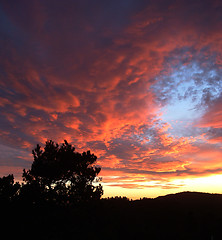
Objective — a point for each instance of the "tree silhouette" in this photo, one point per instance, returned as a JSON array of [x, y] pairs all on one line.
[[60, 174], [8, 189]]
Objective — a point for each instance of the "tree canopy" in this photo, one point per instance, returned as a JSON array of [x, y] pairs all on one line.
[[8, 189], [60, 174]]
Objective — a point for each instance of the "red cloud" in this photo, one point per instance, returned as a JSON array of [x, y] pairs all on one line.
[[213, 116], [85, 76]]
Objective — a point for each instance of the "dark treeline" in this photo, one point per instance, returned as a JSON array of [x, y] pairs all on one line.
[[60, 198], [184, 216]]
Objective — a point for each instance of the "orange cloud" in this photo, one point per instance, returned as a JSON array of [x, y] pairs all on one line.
[[213, 117], [101, 82]]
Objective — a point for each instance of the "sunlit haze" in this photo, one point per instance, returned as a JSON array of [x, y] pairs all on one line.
[[138, 83]]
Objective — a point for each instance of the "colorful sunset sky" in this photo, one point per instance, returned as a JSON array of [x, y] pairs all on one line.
[[137, 82]]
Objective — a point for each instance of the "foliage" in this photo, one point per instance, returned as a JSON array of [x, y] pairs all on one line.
[[60, 174], [8, 189]]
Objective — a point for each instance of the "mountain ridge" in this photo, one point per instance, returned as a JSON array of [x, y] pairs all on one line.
[[189, 194]]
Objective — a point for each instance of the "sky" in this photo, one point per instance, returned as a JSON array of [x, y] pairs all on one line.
[[137, 82]]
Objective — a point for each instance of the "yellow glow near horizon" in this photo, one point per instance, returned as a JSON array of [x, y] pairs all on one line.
[[210, 184]]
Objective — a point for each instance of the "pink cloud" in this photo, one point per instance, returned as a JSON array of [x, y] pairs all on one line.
[[213, 116], [80, 74]]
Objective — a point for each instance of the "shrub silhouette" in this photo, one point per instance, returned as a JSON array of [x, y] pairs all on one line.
[[61, 175]]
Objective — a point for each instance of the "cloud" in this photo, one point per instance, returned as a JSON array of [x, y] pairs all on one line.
[[136, 82], [213, 115]]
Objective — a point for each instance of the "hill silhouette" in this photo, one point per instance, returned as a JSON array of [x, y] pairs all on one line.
[[191, 196], [59, 199], [181, 216]]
